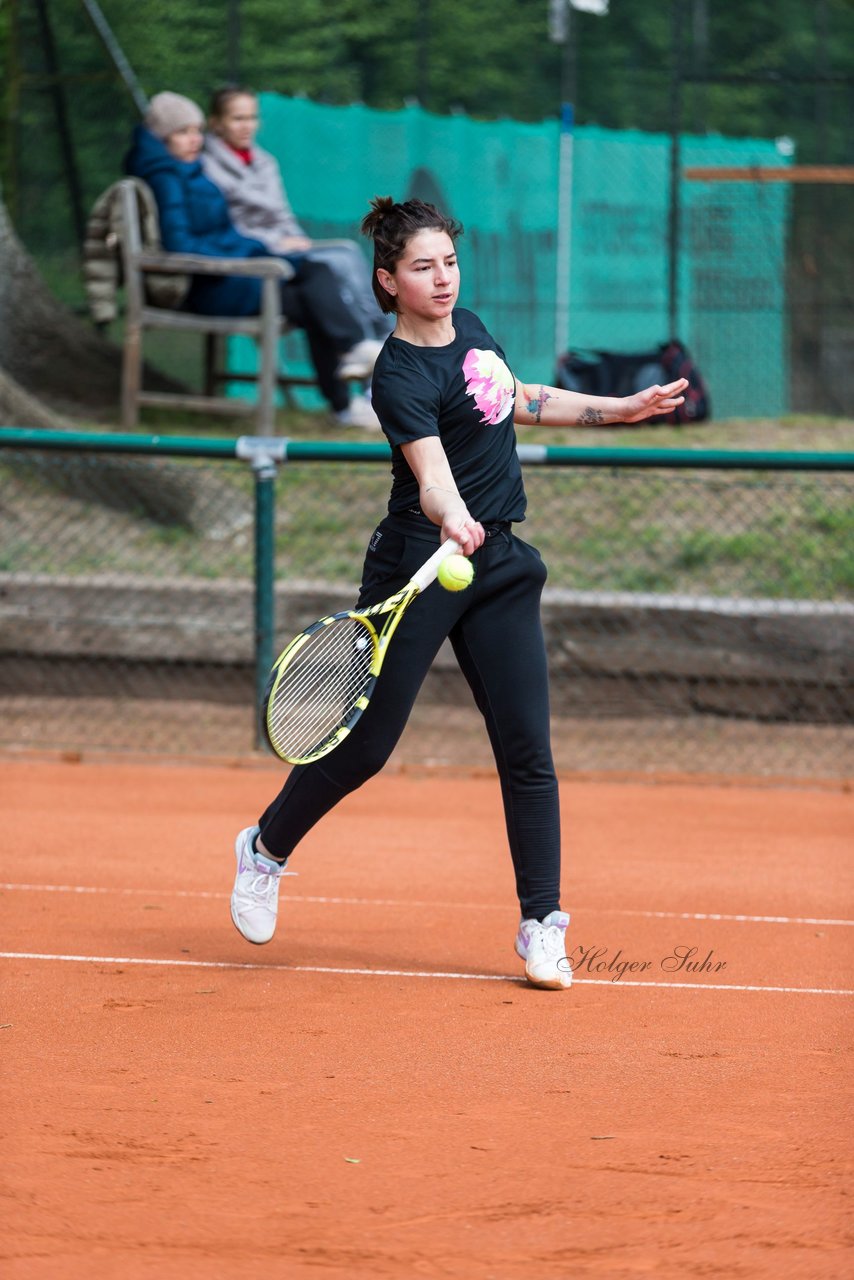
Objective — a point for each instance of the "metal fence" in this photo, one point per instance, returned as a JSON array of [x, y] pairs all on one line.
[[755, 275], [699, 613]]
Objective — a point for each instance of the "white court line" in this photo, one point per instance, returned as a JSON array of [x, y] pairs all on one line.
[[397, 902], [718, 915], [409, 973]]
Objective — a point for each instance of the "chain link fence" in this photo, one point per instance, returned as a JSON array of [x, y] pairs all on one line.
[[699, 620], [756, 277]]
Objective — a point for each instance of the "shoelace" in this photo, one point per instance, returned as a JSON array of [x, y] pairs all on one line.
[[556, 940], [551, 939], [262, 884], [256, 887]]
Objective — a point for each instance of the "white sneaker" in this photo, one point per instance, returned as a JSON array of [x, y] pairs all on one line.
[[543, 948], [255, 897], [359, 413], [360, 360]]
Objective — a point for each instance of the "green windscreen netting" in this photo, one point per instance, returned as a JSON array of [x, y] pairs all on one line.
[[500, 178]]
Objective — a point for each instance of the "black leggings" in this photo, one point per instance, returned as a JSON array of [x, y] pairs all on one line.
[[495, 630], [313, 301]]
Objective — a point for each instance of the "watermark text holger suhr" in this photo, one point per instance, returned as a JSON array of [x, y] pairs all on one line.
[[605, 963]]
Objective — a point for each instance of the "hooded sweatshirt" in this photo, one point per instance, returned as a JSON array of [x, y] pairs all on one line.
[[254, 191]]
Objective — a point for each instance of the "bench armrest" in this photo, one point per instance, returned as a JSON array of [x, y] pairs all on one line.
[[332, 244], [199, 265]]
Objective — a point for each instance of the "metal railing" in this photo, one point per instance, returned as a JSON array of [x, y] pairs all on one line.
[[699, 613]]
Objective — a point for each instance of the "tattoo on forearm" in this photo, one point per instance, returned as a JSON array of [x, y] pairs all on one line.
[[589, 416], [536, 406]]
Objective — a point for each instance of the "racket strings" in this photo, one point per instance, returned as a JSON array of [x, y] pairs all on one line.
[[316, 691]]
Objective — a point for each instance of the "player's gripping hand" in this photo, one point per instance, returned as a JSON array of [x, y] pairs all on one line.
[[652, 400], [463, 529]]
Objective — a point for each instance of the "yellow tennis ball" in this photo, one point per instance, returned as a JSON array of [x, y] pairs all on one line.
[[456, 573]]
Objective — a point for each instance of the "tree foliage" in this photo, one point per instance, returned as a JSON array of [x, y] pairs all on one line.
[[744, 67]]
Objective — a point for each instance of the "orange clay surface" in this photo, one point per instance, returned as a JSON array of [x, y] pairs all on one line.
[[377, 1093]]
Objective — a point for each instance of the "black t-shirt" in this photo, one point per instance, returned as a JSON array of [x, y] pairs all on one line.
[[464, 394]]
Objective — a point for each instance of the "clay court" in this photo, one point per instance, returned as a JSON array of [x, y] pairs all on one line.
[[377, 1092]]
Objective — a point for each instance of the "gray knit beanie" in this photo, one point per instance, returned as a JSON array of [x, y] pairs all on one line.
[[168, 112]]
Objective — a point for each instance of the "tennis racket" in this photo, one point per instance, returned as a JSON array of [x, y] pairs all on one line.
[[323, 680]]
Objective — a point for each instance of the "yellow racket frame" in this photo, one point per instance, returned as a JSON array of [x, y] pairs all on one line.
[[395, 606]]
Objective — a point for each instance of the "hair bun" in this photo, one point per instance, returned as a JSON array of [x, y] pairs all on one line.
[[381, 207]]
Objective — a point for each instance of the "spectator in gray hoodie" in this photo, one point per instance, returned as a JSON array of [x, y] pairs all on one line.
[[251, 181]]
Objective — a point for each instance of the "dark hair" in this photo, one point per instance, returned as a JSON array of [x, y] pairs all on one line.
[[391, 226], [221, 98]]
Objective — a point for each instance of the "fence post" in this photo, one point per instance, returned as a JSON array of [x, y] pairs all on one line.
[[675, 197], [265, 579], [263, 454]]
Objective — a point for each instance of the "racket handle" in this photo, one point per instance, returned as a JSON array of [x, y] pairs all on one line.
[[427, 573]]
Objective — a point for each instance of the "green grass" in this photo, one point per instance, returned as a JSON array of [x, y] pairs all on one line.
[[691, 532]]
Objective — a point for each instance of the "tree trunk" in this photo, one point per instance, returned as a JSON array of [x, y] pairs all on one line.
[[48, 351], [19, 409], [50, 361]]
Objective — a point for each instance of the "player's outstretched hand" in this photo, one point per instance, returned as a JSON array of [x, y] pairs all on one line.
[[653, 400]]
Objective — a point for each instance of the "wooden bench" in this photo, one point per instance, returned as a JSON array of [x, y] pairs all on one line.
[[266, 328]]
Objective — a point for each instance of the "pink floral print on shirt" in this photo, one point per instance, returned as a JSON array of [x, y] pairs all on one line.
[[490, 382]]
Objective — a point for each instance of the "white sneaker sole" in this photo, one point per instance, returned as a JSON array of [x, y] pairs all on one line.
[[562, 982]]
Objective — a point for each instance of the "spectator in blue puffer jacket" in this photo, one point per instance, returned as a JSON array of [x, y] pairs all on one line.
[[194, 218]]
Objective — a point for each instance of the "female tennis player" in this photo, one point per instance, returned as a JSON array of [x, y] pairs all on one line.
[[448, 403]]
